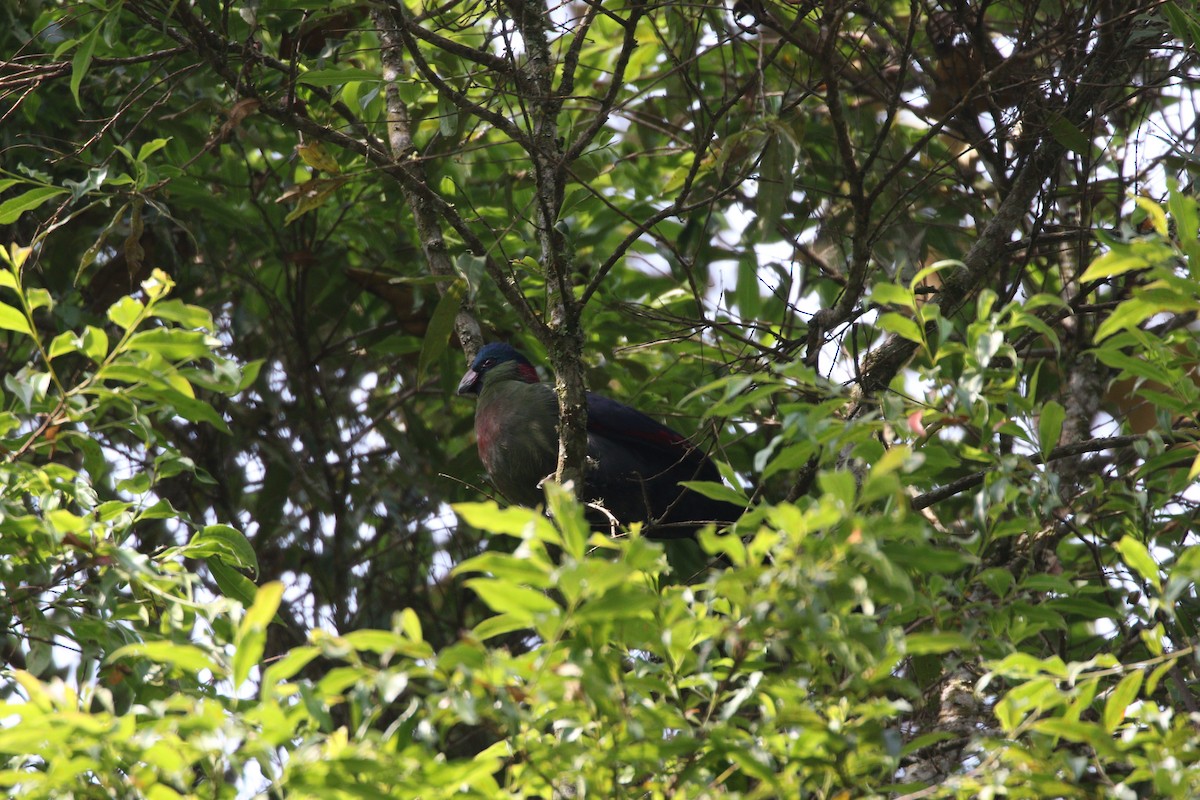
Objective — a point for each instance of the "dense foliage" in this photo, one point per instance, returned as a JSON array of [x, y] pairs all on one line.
[[923, 277]]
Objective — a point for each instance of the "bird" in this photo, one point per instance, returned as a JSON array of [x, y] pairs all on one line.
[[634, 464]]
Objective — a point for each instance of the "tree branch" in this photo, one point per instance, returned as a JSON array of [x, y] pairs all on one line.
[[429, 229], [1066, 451], [1109, 66]]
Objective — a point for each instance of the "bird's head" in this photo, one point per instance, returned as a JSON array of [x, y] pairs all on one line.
[[497, 362]]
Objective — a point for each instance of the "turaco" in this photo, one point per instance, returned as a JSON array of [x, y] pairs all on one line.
[[634, 464]]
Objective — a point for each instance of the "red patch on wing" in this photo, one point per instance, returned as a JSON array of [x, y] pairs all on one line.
[[660, 436], [528, 373]]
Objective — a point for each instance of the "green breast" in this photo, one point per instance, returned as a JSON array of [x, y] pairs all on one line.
[[516, 425]]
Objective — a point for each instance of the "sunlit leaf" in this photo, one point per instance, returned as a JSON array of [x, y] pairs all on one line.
[[1118, 701], [251, 636], [13, 320], [1138, 558], [186, 657]]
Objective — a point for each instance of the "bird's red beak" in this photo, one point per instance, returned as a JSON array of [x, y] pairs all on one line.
[[469, 383]]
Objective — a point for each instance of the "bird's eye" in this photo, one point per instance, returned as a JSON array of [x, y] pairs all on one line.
[[487, 362]]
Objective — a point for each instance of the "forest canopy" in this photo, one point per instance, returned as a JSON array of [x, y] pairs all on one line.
[[921, 279]]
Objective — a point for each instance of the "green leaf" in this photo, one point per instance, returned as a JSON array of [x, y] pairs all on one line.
[[531, 571], [840, 485], [515, 521], [222, 542], [1082, 607], [776, 177], [410, 625], [173, 344], [1071, 730], [883, 294], [569, 519], [65, 342], [441, 326], [1069, 136], [250, 370], [81, 61], [519, 602], [917, 644], [789, 459], [311, 195], [126, 312], [252, 632], [748, 293], [185, 657], [13, 320], [12, 209], [189, 408], [1137, 367], [932, 269], [188, 316], [337, 77], [1050, 424], [151, 147], [1138, 558], [375, 641], [1157, 675], [1129, 314], [1022, 666], [295, 660], [1184, 25], [717, 491], [500, 625], [36, 297], [902, 326], [1116, 261], [232, 583], [448, 116], [1125, 693], [95, 343]]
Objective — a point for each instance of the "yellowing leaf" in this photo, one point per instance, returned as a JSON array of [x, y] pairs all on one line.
[[313, 154], [1115, 262], [309, 195], [15, 257], [1155, 213]]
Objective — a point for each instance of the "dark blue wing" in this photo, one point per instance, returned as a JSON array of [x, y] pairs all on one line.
[[638, 464]]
